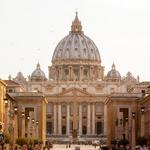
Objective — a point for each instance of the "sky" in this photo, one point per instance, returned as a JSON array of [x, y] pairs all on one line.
[[31, 29]]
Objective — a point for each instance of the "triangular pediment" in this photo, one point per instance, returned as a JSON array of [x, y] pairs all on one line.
[[74, 92]]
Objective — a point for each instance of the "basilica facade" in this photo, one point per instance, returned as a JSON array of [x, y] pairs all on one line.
[[82, 101]]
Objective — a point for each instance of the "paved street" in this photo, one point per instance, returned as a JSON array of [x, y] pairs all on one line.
[[82, 147]]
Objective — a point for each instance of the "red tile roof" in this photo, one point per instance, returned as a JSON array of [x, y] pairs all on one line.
[[11, 83]]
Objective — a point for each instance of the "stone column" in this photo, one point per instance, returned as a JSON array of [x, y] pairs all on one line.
[[80, 119], [88, 118], [105, 119], [55, 119], [133, 132], [36, 122], [93, 118], [68, 119], [75, 116], [59, 119], [142, 122]]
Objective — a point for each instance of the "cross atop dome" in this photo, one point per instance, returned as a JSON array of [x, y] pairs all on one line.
[[113, 66], [38, 66], [76, 26]]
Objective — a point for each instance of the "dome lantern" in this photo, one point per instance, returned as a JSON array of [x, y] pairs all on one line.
[[76, 26]]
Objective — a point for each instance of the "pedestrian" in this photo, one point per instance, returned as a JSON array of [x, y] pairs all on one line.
[[69, 145], [24, 147], [36, 147]]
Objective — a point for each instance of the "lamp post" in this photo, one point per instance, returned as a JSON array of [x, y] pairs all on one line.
[[126, 128], [133, 131], [16, 123], [142, 121], [37, 129], [6, 113], [33, 128], [28, 127], [23, 124]]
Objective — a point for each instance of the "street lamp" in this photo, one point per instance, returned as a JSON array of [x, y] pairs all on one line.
[[142, 110], [126, 119], [28, 126], [37, 122], [33, 127], [28, 118], [133, 115], [133, 131], [23, 123], [6, 101], [15, 109], [23, 114], [6, 114], [142, 121], [37, 128], [126, 128], [33, 121], [16, 123]]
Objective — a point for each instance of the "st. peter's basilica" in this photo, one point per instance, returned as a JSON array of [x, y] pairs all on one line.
[[78, 99]]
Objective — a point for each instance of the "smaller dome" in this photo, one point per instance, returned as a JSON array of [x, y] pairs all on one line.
[[38, 74], [113, 74], [20, 78], [130, 78]]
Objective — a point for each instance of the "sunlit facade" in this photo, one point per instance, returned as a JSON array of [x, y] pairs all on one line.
[[78, 101]]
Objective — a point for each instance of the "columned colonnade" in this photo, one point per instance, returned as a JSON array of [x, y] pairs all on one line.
[[30, 124], [76, 117]]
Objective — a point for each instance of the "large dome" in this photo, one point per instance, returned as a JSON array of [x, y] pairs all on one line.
[[76, 46]]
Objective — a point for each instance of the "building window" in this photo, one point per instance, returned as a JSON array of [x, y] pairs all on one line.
[[112, 90], [84, 109], [143, 92], [49, 128], [63, 110], [10, 90], [84, 130], [99, 108], [63, 129], [63, 89], [99, 127], [84, 89], [49, 108], [84, 117], [124, 113]]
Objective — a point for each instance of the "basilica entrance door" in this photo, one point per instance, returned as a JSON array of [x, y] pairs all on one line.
[[99, 127], [64, 130], [84, 130]]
